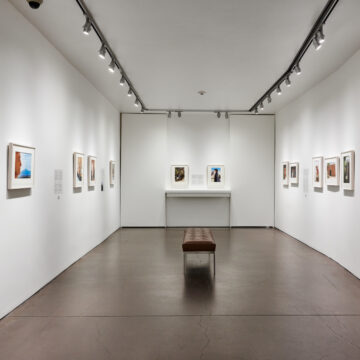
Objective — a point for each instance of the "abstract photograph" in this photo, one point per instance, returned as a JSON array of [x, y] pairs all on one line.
[[332, 171], [78, 170], [348, 169], [179, 176], [317, 172]]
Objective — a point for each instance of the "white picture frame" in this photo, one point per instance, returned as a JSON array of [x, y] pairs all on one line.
[[348, 170], [216, 176], [294, 173], [21, 167], [285, 173], [317, 172], [332, 171], [179, 176], [78, 170], [91, 171], [112, 172]]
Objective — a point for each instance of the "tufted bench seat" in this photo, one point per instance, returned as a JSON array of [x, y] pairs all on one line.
[[198, 240]]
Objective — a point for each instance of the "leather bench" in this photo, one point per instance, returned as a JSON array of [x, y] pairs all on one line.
[[198, 240]]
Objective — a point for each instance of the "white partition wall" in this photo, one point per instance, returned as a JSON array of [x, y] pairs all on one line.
[[252, 170], [143, 167]]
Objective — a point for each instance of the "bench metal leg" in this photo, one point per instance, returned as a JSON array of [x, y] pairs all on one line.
[[184, 259], [214, 265]]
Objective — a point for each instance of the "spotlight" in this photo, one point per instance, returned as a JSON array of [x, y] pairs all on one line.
[[297, 69], [169, 115], [87, 26], [261, 106], [256, 110], [321, 36], [122, 80], [226, 115], [316, 43], [218, 114], [287, 81], [102, 51], [269, 99], [179, 114], [136, 103], [129, 93], [112, 66], [278, 90]]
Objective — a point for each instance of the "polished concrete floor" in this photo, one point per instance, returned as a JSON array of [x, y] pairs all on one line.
[[272, 298]]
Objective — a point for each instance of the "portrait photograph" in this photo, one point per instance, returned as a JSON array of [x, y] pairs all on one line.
[[294, 173], [317, 172], [332, 171], [91, 171], [112, 172], [285, 173], [21, 167], [216, 175], [78, 170], [179, 176], [348, 168]]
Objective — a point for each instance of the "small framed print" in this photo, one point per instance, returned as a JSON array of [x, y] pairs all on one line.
[[112, 167], [216, 175], [332, 166], [91, 171], [21, 167], [179, 176], [78, 170], [348, 170], [285, 173], [317, 172], [294, 173]]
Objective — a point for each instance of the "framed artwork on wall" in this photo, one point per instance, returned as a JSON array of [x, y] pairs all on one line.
[[294, 173], [91, 171], [180, 176], [347, 170], [78, 170], [112, 172], [285, 173], [332, 166], [21, 167], [317, 172], [216, 175]]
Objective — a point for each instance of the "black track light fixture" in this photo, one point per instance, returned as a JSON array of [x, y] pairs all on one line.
[[288, 81], [218, 114], [112, 66], [278, 90], [122, 80], [297, 69], [130, 92], [169, 115], [102, 51], [87, 26], [269, 99], [179, 114]]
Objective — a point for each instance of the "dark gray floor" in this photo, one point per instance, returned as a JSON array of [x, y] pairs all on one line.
[[272, 298]]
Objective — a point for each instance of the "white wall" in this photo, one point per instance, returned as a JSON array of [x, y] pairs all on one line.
[[46, 103], [323, 122], [243, 144]]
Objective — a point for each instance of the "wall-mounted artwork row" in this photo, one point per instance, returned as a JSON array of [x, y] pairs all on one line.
[[21, 167]]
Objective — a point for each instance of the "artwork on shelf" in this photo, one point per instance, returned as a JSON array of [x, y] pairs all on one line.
[[216, 175], [21, 167], [317, 172], [348, 168], [285, 173], [91, 171], [78, 170], [179, 176], [112, 172], [332, 171], [294, 173]]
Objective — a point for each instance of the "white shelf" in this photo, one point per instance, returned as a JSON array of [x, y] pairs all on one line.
[[224, 193]]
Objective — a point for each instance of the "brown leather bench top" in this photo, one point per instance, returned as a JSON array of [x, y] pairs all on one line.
[[198, 239]]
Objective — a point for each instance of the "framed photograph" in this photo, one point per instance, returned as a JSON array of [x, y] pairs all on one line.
[[21, 167], [112, 172], [216, 175], [78, 170], [332, 166], [317, 172], [294, 173], [285, 173], [348, 170], [91, 171], [179, 175]]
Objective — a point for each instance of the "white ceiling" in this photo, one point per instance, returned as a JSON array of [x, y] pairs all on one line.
[[171, 49]]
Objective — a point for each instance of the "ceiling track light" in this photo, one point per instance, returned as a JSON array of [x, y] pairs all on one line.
[[87, 26], [179, 114], [102, 51], [218, 114], [136, 103], [320, 35], [269, 99], [112, 66], [297, 69], [256, 110], [278, 90], [169, 115], [316, 43], [130, 92], [227, 116], [122, 80], [288, 81], [261, 106]]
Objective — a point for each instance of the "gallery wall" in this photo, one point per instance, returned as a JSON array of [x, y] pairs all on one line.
[[323, 122], [152, 143], [46, 103]]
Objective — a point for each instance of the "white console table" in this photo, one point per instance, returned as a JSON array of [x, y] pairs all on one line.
[[196, 193]]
